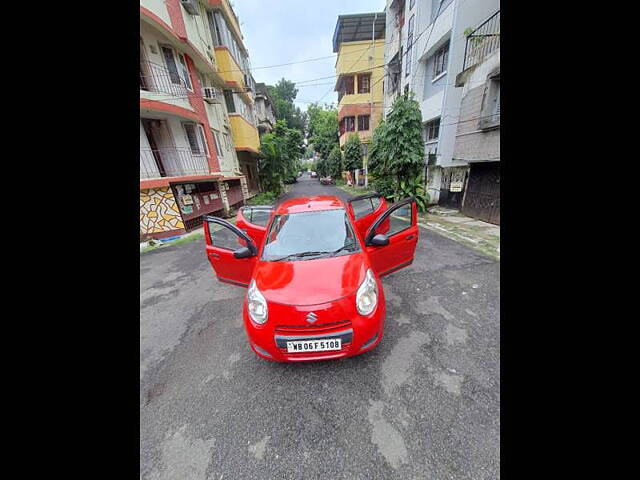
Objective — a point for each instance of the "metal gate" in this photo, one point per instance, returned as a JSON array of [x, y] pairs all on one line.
[[482, 200], [452, 197]]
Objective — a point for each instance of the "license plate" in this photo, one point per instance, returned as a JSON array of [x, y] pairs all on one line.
[[298, 346]]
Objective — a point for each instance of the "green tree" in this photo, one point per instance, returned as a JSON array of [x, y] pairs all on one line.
[[334, 162], [322, 167], [322, 129], [353, 153], [270, 166], [283, 94], [397, 149], [280, 156], [285, 90]]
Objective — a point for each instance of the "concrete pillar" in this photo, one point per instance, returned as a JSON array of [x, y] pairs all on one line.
[[223, 197], [245, 188]]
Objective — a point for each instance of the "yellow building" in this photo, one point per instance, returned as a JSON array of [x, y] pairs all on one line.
[[232, 59], [359, 42]]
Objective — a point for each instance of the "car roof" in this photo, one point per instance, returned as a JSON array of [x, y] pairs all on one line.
[[310, 204]]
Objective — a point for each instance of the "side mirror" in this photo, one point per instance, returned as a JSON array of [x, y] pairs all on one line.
[[243, 252], [379, 240]]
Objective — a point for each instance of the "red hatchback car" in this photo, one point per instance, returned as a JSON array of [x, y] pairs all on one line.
[[312, 267]]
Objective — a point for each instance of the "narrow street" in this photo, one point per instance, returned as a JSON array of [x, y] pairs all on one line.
[[424, 404]]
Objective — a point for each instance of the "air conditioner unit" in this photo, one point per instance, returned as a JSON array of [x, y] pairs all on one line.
[[191, 6], [210, 95]]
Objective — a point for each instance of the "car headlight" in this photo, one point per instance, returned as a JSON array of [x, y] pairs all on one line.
[[256, 304], [367, 295]]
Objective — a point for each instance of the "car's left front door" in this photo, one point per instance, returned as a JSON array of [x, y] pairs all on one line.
[[253, 221]]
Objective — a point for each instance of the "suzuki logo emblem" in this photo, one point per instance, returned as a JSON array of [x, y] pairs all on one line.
[[312, 317]]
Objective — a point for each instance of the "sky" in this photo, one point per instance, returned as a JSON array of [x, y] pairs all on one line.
[[283, 31]]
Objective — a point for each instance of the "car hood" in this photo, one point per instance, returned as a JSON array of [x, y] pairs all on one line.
[[311, 282]]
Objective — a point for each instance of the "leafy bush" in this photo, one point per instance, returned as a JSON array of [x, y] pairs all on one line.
[[385, 186], [265, 198], [412, 188]]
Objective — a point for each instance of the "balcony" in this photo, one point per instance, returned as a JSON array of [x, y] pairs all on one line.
[[483, 41], [157, 79], [171, 162]]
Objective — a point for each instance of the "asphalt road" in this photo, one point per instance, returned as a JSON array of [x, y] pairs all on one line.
[[424, 404]]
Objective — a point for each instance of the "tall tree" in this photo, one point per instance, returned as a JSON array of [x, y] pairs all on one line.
[[397, 149], [280, 156], [322, 129], [353, 153], [283, 94], [397, 145], [334, 162]]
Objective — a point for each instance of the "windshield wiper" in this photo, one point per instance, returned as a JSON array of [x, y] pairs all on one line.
[[340, 249], [300, 255]]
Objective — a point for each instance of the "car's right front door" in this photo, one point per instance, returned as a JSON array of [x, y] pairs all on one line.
[[398, 227], [224, 242]]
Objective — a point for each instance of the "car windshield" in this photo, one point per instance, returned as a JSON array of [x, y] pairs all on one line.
[[309, 235]]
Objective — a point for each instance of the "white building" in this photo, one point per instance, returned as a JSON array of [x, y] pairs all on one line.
[[425, 51]]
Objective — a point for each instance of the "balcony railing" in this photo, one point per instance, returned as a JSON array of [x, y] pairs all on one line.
[[482, 41], [156, 78], [171, 162]]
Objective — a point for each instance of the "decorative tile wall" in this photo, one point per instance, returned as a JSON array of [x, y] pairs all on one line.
[[159, 211]]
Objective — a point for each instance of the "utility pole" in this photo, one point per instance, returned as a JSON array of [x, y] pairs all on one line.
[[371, 62]]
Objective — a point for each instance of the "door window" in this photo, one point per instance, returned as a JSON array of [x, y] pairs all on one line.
[[400, 219], [260, 216], [363, 207], [222, 237]]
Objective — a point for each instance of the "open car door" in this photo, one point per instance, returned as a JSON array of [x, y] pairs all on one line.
[[231, 252], [253, 221], [364, 210], [392, 238]]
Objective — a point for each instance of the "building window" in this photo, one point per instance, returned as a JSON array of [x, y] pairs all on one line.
[[228, 98], [215, 29], [197, 141], [395, 69], [409, 44], [227, 135], [216, 137], [347, 87], [490, 112], [363, 122], [170, 62], [432, 130], [349, 124], [441, 57], [364, 83], [185, 72]]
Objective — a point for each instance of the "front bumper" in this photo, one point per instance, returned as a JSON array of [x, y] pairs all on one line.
[[336, 319]]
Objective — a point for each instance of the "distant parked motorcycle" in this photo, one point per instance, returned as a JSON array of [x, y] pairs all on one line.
[[327, 181]]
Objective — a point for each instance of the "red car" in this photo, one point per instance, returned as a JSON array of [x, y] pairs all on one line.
[[312, 267]]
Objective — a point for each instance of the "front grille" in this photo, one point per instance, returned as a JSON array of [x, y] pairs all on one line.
[[309, 328]]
